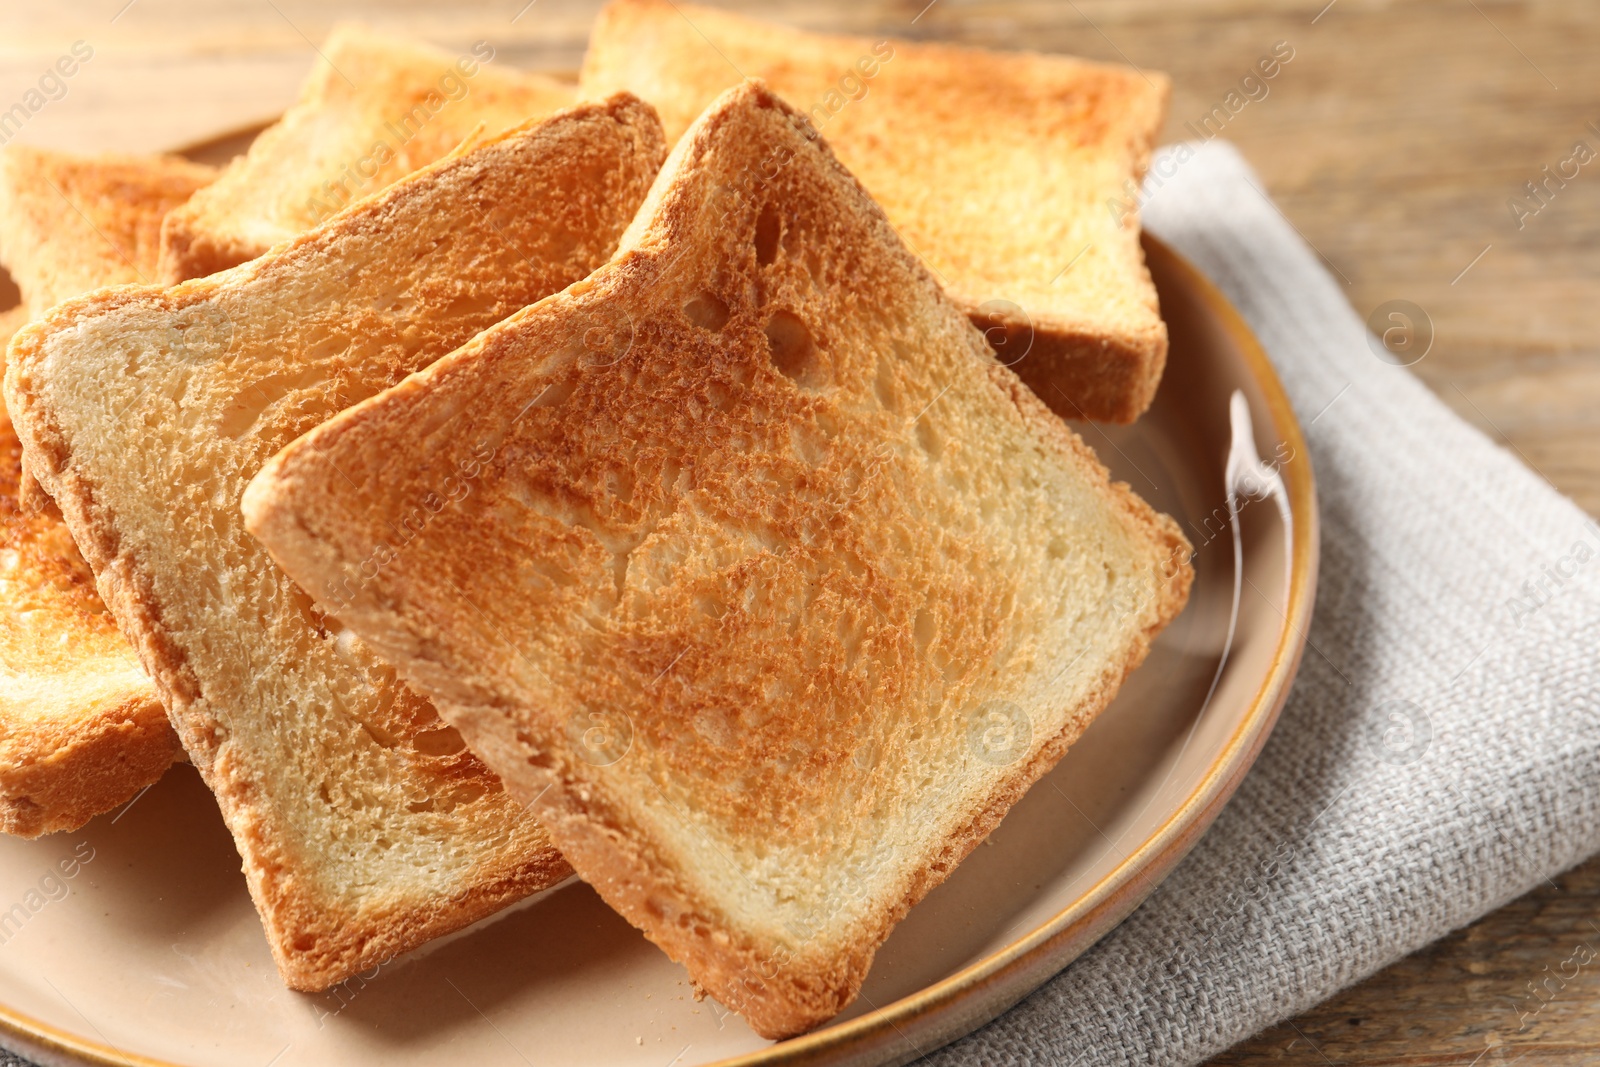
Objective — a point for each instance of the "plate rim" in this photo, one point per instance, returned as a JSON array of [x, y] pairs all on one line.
[[1002, 978]]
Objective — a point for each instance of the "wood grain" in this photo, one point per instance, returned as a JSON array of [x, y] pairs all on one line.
[[1393, 141]]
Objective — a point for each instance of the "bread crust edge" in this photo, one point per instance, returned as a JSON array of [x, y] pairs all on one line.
[[57, 776]]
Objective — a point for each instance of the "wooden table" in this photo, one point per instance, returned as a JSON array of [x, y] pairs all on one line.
[[1393, 140]]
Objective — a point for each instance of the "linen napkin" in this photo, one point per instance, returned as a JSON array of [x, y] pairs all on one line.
[[1440, 751]]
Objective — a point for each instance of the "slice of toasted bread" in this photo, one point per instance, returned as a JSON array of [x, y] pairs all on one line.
[[70, 224], [772, 604], [81, 728], [1013, 175], [365, 826], [374, 110]]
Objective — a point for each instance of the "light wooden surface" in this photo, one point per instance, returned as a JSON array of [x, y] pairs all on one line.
[[1393, 141]]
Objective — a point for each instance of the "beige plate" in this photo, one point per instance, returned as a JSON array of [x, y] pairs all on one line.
[[151, 952]]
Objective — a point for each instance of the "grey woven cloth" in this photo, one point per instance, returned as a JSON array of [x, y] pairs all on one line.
[[1440, 752]]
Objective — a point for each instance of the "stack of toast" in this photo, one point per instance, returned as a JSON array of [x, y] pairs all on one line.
[[661, 479]]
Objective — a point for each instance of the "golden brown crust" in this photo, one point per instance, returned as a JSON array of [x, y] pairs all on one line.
[[758, 534], [365, 826], [70, 224], [58, 779], [1014, 175], [372, 111]]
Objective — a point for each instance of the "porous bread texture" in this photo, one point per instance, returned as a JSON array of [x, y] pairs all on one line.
[[773, 591], [81, 728], [1013, 175], [70, 224], [365, 826], [373, 110]]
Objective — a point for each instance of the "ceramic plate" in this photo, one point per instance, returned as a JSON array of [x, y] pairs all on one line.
[[134, 940]]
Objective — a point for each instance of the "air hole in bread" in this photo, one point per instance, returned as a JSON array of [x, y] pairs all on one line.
[[305, 942], [445, 741], [793, 352], [768, 229], [928, 438], [707, 311]]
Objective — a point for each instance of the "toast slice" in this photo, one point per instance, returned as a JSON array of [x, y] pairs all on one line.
[[1014, 175], [772, 604], [365, 826], [70, 224], [374, 110], [81, 728]]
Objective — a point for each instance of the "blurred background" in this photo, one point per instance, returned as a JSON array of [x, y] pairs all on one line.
[[1440, 152]]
